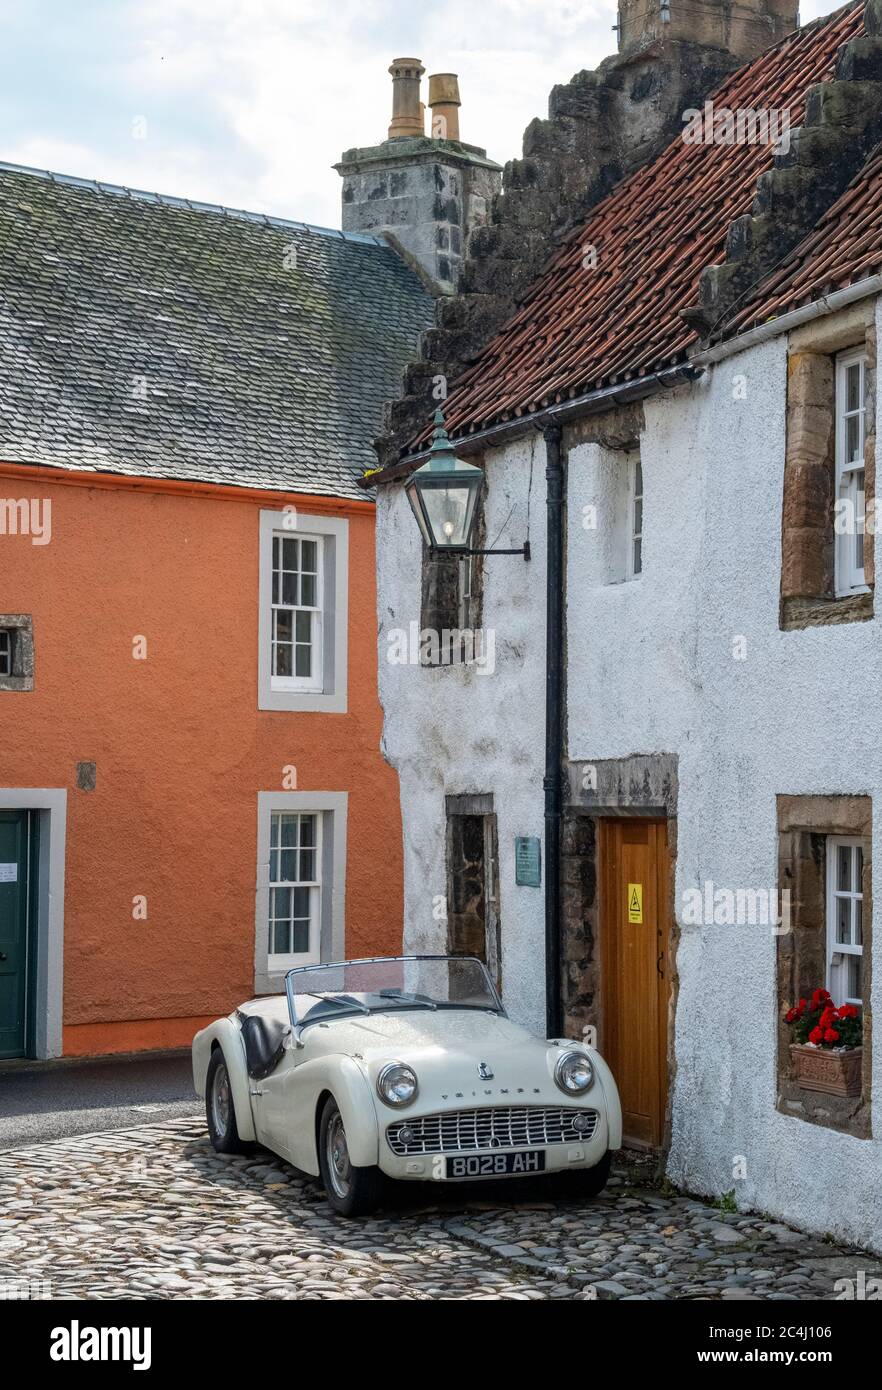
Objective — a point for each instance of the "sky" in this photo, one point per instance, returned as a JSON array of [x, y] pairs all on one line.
[[250, 102]]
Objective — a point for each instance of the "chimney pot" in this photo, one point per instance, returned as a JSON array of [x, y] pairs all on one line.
[[445, 103], [407, 117]]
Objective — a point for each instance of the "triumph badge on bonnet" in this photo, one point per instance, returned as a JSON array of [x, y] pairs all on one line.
[[485, 1072]]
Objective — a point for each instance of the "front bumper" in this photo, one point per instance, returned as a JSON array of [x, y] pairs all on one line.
[[559, 1158]]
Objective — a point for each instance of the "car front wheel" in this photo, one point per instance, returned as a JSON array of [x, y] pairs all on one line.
[[584, 1182], [219, 1109], [351, 1191], [592, 1181]]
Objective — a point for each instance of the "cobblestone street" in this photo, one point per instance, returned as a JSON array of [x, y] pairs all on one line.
[[153, 1213]]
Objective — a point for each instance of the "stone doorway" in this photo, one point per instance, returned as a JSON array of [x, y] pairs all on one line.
[[473, 881], [603, 794]]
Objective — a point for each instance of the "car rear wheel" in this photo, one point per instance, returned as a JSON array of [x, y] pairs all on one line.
[[219, 1109], [351, 1191]]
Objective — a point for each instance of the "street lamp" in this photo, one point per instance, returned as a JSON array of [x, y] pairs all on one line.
[[443, 494]]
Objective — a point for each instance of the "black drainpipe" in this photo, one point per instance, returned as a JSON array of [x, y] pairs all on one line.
[[554, 657]]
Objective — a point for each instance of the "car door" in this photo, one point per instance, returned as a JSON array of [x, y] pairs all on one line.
[[284, 1107]]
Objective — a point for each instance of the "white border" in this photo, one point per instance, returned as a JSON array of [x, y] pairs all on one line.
[[49, 1002], [332, 698]]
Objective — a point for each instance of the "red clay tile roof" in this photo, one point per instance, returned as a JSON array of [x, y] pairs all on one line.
[[580, 329], [844, 247]]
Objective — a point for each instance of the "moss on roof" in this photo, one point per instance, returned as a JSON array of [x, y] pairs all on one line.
[[152, 336]]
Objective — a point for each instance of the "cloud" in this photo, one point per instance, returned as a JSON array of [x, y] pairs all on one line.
[[283, 88], [250, 102]]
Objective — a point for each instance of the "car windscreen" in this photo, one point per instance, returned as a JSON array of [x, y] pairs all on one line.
[[391, 985]]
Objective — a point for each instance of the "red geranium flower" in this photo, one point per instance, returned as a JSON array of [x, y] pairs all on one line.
[[822, 1023]]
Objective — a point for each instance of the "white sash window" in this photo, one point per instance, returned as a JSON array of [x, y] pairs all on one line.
[[850, 435]]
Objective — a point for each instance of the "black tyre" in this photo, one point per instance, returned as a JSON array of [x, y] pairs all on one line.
[[351, 1191], [592, 1181], [579, 1183], [219, 1109]]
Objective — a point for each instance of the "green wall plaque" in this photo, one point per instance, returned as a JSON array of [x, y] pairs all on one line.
[[528, 871]]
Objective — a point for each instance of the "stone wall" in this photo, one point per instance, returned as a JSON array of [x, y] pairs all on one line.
[[842, 124]]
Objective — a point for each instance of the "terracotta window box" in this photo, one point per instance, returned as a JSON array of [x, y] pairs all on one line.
[[821, 1069]]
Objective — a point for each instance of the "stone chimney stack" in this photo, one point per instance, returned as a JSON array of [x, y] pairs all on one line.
[[743, 29], [425, 193]]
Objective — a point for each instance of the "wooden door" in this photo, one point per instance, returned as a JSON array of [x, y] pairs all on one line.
[[634, 941]]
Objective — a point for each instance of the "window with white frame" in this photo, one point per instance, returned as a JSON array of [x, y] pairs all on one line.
[[294, 889], [297, 613], [303, 624], [850, 435], [300, 903], [635, 517], [845, 939]]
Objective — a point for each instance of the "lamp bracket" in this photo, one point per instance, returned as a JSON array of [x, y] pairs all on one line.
[[522, 550]]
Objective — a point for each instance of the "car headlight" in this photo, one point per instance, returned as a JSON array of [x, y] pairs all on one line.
[[397, 1084], [573, 1072]]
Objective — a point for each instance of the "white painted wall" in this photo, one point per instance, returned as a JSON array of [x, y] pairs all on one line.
[[651, 670], [452, 730]]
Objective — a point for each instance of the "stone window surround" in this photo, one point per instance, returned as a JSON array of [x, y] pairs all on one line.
[[334, 533], [440, 605], [22, 675], [807, 536], [639, 786], [333, 807], [474, 806], [804, 823]]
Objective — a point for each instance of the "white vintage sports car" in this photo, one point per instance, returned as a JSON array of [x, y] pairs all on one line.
[[403, 1067]]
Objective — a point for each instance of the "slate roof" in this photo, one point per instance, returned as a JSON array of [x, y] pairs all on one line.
[[581, 329], [844, 247], [154, 336]]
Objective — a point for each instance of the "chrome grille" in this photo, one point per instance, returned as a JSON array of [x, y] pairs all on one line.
[[491, 1127]]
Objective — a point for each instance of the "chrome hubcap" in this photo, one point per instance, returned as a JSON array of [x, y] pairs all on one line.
[[339, 1167], [220, 1100]]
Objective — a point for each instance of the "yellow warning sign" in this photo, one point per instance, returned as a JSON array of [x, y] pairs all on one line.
[[635, 902]]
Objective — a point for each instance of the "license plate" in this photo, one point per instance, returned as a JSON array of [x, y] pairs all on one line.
[[497, 1165]]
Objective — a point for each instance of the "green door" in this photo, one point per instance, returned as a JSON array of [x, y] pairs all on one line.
[[17, 850]]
